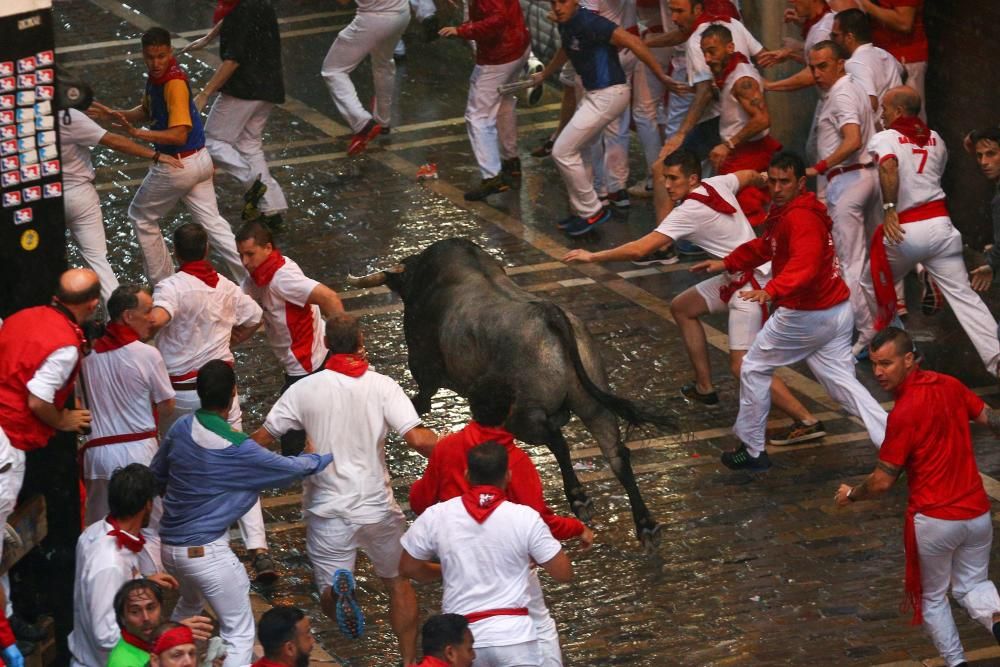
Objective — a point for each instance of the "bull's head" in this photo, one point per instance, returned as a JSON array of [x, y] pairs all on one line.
[[391, 278]]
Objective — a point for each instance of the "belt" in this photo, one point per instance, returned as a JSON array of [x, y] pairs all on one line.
[[111, 440], [184, 386], [188, 380], [843, 170], [490, 613], [183, 153], [932, 209]]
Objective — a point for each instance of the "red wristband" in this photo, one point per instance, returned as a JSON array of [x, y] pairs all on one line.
[[820, 167]]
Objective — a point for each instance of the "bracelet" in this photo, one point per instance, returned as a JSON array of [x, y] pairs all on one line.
[[850, 497], [156, 157], [888, 206], [820, 167]]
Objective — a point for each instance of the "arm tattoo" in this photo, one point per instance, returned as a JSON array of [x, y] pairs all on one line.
[[889, 469], [993, 419]]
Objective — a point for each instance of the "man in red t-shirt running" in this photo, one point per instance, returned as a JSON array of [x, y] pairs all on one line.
[[948, 531], [490, 403]]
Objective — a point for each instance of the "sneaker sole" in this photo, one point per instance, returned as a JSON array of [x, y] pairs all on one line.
[[650, 262], [347, 607], [695, 401], [620, 204], [746, 468], [795, 441]]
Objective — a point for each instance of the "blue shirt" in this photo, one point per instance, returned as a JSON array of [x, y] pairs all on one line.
[[212, 481], [586, 38]]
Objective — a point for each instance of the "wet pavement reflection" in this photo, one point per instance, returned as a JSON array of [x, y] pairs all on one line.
[[759, 570]]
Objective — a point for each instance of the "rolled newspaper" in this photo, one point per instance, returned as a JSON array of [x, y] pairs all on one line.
[[515, 86]]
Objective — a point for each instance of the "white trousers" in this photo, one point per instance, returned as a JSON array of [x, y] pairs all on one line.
[[218, 579], [233, 134], [86, 227], [490, 117], [955, 554], [821, 338], [251, 524], [10, 486], [916, 75], [424, 9], [937, 245], [610, 151], [159, 193], [525, 654], [545, 625], [595, 111], [647, 101], [374, 33], [854, 201]]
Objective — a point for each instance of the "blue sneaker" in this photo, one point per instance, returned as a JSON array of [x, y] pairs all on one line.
[[580, 226], [350, 619], [566, 222]]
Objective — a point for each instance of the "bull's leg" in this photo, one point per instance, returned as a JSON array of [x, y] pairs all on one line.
[[604, 427], [579, 502]]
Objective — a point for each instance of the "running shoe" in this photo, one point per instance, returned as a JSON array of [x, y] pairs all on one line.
[[931, 299], [643, 190], [901, 309], [689, 250], [563, 224], [350, 619], [545, 149], [740, 459], [619, 199], [665, 257], [251, 200], [604, 199], [488, 186], [360, 140], [511, 167], [692, 395], [800, 432], [265, 571], [580, 226]]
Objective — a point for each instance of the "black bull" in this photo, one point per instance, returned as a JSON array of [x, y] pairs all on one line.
[[464, 320]]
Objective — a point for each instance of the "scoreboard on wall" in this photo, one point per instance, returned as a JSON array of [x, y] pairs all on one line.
[[32, 228]]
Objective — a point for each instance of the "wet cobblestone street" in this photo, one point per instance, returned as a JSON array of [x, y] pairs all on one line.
[[751, 569]]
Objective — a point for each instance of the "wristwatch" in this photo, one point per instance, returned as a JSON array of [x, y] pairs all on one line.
[[888, 206], [849, 496]]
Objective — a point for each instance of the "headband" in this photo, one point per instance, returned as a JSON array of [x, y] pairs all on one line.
[[173, 637]]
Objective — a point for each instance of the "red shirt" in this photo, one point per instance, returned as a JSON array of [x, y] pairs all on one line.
[[804, 266], [928, 434], [907, 47], [444, 477], [497, 27], [264, 662]]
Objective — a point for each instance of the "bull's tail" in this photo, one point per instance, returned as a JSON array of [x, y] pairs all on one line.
[[628, 410]]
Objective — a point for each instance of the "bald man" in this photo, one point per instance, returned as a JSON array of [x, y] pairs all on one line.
[[916, 226], [40, 352]]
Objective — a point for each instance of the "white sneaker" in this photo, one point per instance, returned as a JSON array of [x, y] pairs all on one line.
[[641, 191]]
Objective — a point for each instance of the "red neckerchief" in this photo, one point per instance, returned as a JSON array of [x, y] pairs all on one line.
[[713, 200], [125, 540], [428, 661], [203, 271], [478, 433], [116, 335], [913, 129], [735, 58], [351, 365], [174, 71], [222, 9], [263, 274], [480, 501], [809, 23], [883, 283], [137, 642], [715, 11]]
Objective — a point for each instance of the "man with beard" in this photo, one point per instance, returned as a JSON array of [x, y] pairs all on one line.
[[286, 638]]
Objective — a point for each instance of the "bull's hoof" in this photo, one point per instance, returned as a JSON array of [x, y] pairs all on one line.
[[650, 537], [583, 509]]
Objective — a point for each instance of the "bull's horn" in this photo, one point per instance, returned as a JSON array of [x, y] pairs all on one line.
[[371, 280], [374, 279]]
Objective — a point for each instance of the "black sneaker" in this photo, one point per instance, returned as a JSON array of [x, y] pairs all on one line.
[[431, 27], [620, 199], [273, 221], [800, 432], [265, 571], [691, 394], [25, 631], [579, 225], [511, 167], [487, 187], [251, 200], [740, 459], [665, 257], [545, 149]]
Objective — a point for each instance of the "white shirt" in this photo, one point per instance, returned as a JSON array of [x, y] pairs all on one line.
[[621, 12], [733, 116], [54, 373], [818, 32], [717, 233], [875, 69], [484, 565], [294, 328], [76, 138], [920, 168], [698, 70], [201, 320], [349, 418], [845, 103], [101, 569], [121, 387]]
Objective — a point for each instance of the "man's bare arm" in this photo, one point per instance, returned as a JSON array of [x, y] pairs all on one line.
[[751, 98], [421, 439], [878, 482], [850, 141], [327, 300], [418, 570]]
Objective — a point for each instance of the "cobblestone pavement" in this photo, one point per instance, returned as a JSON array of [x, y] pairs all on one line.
[[759, 570]]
